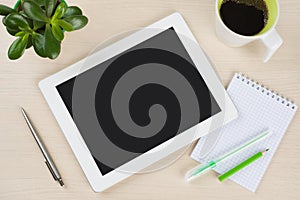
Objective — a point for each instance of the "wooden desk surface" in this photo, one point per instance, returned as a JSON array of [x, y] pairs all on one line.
[[23, 175]]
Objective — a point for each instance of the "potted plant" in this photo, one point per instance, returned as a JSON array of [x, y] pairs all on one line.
[[40, 24]]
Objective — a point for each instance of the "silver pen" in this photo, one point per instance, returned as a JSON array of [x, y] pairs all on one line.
[[48, 160]]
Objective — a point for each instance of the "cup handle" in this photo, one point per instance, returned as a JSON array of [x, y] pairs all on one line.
[[272, 41]]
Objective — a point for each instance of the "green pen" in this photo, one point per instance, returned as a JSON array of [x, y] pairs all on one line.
[[242, 165], [201, 169]]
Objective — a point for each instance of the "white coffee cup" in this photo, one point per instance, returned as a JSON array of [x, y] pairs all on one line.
[[268, 35]]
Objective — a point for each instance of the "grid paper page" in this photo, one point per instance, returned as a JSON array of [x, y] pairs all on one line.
[[259, 109]]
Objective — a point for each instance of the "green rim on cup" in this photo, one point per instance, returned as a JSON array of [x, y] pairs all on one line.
[[272, 14]]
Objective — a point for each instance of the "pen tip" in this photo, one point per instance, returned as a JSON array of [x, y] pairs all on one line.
[[61, 182]]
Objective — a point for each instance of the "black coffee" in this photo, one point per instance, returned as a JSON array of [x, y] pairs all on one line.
[[245, 17]]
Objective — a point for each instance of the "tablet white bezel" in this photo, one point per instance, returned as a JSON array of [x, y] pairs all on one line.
[[74, 138]]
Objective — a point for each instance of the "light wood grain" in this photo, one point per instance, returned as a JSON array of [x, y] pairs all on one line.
[[23, 174]]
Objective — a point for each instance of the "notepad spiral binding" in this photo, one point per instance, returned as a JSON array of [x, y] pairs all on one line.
[[267, 91]]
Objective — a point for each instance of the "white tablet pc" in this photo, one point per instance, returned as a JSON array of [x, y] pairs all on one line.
[[137, 101]]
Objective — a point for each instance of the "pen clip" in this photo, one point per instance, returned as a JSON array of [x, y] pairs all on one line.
[[51, 170]]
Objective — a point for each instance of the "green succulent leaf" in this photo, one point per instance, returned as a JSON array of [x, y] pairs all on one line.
[[15, 21], [60, 11], [34, 11], [65, 25], [17, 49], [40, 2], [20, 34], [29, 44], [57, 32], [38, 42], [52, 45], [3, 21], [12, 31], [50, 6], [38, 25], [30, 22], [23, 13], [72, 10], [77, 21], [5, 10]]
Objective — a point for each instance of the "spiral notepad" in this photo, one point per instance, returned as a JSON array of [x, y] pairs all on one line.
[[259, 109]]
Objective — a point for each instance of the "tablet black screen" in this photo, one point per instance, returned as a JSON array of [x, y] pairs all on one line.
[[137, 100]]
